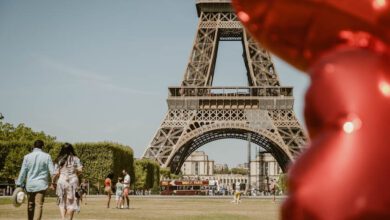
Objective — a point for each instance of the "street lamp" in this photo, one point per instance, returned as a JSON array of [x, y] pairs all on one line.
[[249, 164]]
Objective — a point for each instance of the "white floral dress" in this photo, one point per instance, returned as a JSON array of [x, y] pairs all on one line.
[[68, 182]]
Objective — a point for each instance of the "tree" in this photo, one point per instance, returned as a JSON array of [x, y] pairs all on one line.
[[241, 171], [222, 171], [165, 173], [282, 183], [21, 133], [13, 162]]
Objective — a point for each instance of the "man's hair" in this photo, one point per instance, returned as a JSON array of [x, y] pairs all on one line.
[[38, 144]]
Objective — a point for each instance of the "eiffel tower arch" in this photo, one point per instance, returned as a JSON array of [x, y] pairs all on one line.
[[199, 113]]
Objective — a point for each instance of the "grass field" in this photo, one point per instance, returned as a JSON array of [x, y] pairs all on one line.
[[159, 208]]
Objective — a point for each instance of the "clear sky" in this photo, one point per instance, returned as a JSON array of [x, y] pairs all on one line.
[[96, 70]]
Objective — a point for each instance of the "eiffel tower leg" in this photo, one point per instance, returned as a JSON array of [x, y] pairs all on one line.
[[167, 136], [261, 70], [200, 68], [290, 130]]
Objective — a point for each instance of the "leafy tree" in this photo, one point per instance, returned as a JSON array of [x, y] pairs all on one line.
[[13, 162], [11, 157], [222, 171], [282, 183], [21, 133], [165, 173], [241, 171]]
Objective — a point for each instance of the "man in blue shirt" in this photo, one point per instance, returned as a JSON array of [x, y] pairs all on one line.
[[34, 175]]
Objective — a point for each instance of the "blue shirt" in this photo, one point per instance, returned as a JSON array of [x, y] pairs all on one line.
[[36, 167]]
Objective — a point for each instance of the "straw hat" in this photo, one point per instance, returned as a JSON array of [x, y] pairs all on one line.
[[18, 197]]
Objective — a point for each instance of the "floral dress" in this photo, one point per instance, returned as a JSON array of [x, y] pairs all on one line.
[[68, 182]]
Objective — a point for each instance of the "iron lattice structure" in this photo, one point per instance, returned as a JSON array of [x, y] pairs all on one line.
[[199, 113]]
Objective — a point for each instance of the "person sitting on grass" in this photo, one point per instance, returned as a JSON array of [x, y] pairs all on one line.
[[119, 193]]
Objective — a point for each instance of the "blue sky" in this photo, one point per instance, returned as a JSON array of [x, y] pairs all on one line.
[[96, 70]]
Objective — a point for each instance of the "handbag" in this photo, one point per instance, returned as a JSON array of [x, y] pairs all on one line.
[[79, 192]]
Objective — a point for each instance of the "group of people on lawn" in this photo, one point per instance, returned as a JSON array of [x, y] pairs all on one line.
[[122, 188], [38, 168]]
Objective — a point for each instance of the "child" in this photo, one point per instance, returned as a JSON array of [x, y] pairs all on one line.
[[119, 193]]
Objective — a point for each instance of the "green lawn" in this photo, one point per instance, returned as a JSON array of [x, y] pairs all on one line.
[[158, 208]]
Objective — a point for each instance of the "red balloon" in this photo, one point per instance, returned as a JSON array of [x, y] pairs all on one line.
[[344, 46], [344, 173], [300, 31]]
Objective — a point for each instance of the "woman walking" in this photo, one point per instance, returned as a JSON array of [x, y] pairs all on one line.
[[67, 168]]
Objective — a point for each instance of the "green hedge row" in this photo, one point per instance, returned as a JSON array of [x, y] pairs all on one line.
[[99, 159], [147, 175]]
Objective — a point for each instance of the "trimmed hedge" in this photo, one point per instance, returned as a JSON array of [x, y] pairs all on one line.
[[147, 175], [99, 159], [103, 158]]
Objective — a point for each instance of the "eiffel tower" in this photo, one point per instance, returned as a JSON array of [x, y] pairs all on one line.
[[199, 113]]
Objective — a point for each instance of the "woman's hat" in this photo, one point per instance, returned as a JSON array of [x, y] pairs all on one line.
[[18, 197]]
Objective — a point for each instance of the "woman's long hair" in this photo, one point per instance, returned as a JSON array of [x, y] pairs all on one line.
[[65, 152]]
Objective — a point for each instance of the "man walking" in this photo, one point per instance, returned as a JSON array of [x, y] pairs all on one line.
[[126, 187], [34, 176]]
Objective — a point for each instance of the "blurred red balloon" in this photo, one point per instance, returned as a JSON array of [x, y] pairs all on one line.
[[344, 46], [300, 31], [344, 173]]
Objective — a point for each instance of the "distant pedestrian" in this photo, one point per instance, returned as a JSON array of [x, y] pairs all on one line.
[[34, 175], [108, 188], [238, 192], [273, 188], [126, 188], [119, 193], [68, 167], [84, 190]]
